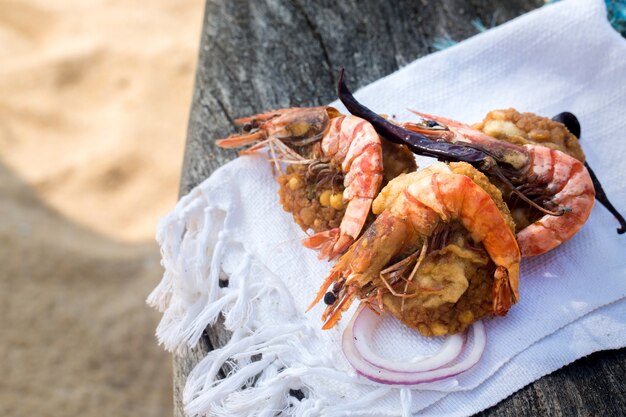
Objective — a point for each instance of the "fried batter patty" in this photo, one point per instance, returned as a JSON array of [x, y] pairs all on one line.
[[315, 199], [453, 285], [522, 128], [301, 196]]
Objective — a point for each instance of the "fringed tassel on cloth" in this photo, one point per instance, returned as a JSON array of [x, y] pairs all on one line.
[[198, 250], [263, 378], [276, 362], [193, 240]]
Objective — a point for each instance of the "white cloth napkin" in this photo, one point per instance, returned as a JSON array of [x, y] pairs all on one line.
[[560, 57]]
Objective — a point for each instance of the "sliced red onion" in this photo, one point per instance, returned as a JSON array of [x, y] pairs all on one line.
[[435, 379], [363, 329]]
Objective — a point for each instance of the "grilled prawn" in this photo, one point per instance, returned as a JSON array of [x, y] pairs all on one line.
[[335, 169], [440, 255], [558, 184]]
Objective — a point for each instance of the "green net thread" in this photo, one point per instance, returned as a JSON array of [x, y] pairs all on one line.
[[616, 14]]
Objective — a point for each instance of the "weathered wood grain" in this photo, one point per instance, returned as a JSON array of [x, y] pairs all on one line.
[[279, 53]]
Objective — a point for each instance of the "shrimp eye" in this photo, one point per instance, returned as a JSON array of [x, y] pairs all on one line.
[[431, 123], [330, 298]]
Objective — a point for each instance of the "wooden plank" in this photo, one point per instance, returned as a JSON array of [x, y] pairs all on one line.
[[269, 54]]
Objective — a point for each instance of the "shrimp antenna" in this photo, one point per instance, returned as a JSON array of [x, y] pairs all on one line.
[[571, 123]]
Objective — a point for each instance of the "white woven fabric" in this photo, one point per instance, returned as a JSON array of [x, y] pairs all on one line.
[[560, 57]]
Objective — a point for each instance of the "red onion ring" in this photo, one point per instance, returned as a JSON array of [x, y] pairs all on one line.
[[363, 330], [435, 379]]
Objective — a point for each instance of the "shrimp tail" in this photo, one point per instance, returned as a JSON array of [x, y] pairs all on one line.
[[503, 295], [330, 243]]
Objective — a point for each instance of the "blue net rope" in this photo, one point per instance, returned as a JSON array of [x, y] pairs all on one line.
[[616, 14]]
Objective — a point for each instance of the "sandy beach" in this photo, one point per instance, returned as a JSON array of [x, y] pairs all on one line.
[[94, 100]]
